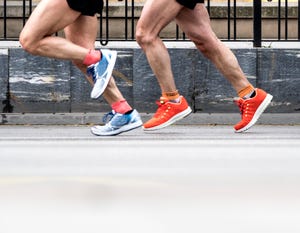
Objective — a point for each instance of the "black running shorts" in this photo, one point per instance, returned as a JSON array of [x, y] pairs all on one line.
[[86, 7], [189, 3]]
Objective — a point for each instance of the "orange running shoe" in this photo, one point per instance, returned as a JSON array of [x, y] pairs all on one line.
[[251, 109], [167, 113]]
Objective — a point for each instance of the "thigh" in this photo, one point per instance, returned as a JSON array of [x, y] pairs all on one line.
[[83, 31], [49, 17], [195, 23], [156, 14]]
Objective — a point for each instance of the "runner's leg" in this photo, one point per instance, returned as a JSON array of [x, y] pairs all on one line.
[[83, 32], [155, 16], [49, 17], [196, 24]]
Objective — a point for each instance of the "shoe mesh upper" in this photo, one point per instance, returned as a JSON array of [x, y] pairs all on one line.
[[166, 112], [249, 107]]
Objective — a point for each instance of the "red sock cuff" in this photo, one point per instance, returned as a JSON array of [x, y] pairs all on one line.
[[92, 57], [121, 107]]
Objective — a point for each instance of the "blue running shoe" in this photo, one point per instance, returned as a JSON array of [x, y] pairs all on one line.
[[101, 72], [116, 123]]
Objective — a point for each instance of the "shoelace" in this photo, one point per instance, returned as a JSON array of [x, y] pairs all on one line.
[[162, 107], [108, 116], [243, 106]]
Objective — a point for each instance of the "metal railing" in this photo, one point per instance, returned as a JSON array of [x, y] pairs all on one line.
[[282, 16], [12, 19]]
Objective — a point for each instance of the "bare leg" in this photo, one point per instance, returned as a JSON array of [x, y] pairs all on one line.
[[83, 32], [155, 16], [49, 17], [196, 24]]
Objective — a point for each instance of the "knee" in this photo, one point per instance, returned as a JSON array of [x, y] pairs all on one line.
[[208, 47], [204, 48], [27, 43], [205, 40], [144, 38]]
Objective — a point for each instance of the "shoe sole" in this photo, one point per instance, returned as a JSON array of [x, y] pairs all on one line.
[[110, 69], [257, 114], [175, 118], [120, 130]]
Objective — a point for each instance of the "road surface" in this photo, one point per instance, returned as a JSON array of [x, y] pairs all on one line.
[[177, 180]]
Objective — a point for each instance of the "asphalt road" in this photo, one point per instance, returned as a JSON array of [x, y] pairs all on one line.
[[179, 179]]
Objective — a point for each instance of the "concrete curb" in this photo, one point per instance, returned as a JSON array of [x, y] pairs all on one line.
[[96, 118]]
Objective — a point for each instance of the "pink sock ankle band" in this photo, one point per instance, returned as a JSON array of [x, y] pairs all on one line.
[[92, 57], [121, 107]]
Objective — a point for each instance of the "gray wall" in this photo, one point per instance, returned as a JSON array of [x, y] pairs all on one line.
[[31, 84]]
